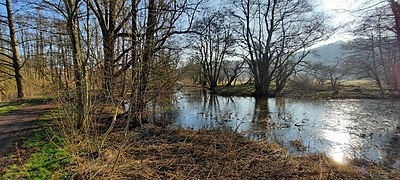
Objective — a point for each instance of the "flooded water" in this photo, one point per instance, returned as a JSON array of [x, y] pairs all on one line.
[[342, 129]]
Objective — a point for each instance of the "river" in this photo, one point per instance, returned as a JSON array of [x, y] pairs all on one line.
[[342, 128]]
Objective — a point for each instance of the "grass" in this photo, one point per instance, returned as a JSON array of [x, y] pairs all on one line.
[[48, 157], [237, 90], [298, 144], [348, 89], [169, 153], [42, 156], [152, 152], [14, 105], [11, 106], [358, 89]]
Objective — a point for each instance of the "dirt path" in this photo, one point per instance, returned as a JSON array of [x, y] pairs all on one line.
[[17, 123]]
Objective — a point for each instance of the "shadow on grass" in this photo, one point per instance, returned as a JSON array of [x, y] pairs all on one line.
[[23, 102], [42, 154]]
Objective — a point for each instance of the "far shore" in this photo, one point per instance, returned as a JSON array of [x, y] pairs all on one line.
[[355, 89]]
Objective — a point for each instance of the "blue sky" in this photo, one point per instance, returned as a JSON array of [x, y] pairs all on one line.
[[343, 12]]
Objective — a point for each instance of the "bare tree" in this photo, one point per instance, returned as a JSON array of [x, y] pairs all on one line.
[[336, 73], [232, 70], [213, 44], [70, 11], [364, 61], [394, 65], [112, 18], [154, 25], [275, 35], [15, 64], [372, 54], [318, 71]]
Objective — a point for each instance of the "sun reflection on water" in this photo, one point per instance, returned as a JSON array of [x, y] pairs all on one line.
[[340, 144], [339, 156], [339, 137], [341, 129]]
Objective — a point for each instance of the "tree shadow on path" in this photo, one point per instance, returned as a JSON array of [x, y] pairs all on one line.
[[17, 124]]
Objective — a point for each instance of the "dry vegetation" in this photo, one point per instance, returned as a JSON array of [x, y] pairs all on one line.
[[94, 66], [151, 152], [165, 153], [359, 89]]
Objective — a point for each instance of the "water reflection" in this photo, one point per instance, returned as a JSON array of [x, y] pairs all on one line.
[[340, 128], [261, 111]]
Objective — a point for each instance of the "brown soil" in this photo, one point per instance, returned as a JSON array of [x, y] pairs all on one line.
[[17, 124]]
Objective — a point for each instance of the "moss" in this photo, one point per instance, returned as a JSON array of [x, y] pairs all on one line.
[[12, 106]]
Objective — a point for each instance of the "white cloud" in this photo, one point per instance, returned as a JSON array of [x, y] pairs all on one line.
[[341, 11]]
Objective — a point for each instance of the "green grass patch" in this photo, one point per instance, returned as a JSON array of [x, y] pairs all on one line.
[[47, 162], [52, 114], [49, 157], [14, 105]]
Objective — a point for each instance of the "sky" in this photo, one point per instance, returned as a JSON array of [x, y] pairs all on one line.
[[342, 13]]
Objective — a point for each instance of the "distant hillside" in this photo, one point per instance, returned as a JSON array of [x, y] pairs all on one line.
[[326, 54]]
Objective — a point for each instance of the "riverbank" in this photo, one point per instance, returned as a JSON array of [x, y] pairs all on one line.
[[168, 153], [152, 152], [349, 90], [219, 154]]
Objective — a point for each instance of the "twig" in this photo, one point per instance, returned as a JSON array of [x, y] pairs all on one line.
[[19, 155], [209, 173], [111, 127]]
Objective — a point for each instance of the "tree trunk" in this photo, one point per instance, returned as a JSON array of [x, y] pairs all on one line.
[[77, 58], [230, 81], [262, 85], [213, 84], [108, 45], [396, 12], [73, 31], [261, 91], [14, 48], [144, 66]]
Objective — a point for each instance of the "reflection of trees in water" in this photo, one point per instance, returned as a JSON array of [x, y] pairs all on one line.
[[261, 110], [211, 104], [263, 115], [195, 97], [276, 119], [230, 100], [280, 104], [163, 107], [217, 109]]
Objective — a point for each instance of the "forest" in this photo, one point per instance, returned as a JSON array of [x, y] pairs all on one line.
[[198, 89]]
